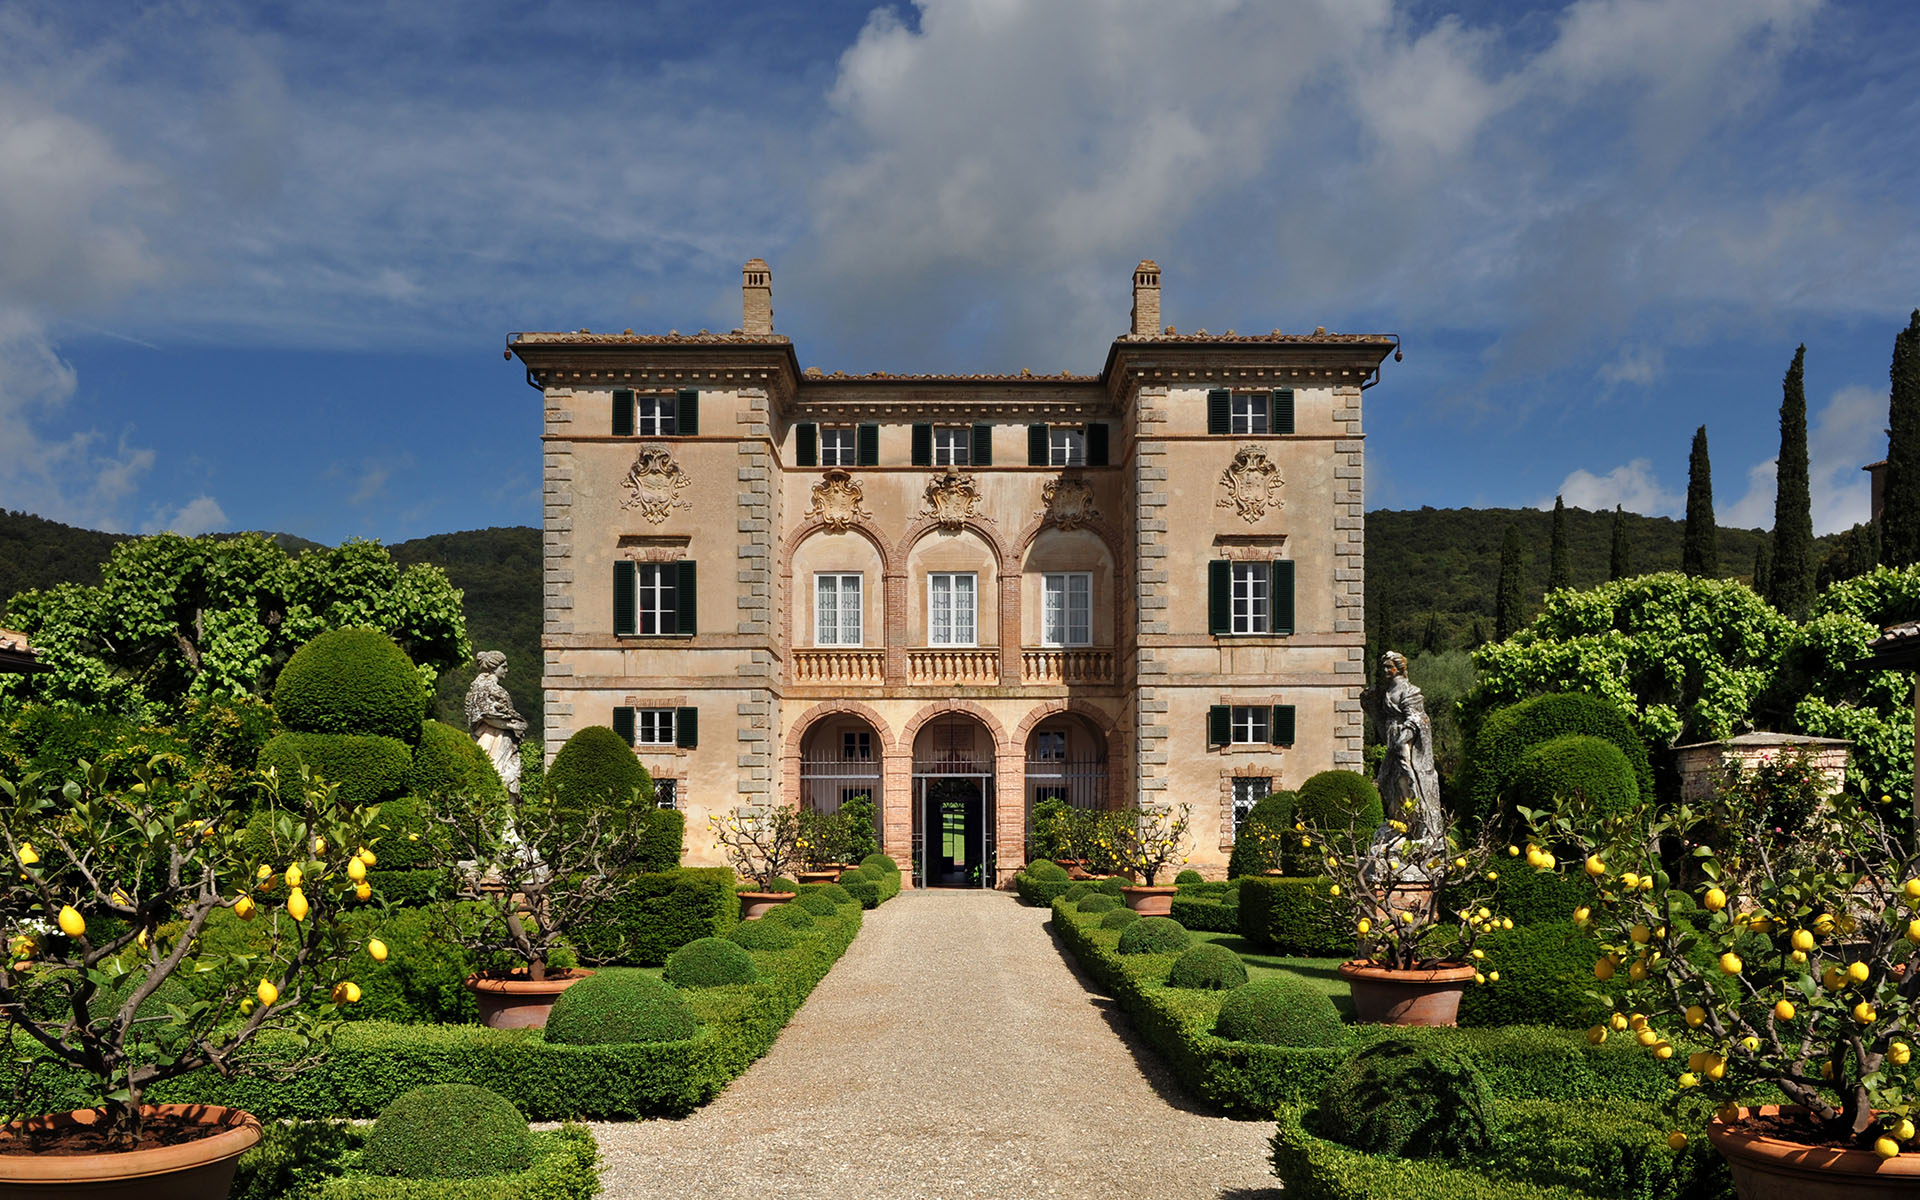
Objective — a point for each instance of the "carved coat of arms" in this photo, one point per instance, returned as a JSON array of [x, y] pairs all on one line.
[[654, 484], [1253, 484], [1068, 503], [951, 499], [838, 502]]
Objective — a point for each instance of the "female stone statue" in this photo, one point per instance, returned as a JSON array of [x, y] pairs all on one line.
[[492, 721], [1406, 773]]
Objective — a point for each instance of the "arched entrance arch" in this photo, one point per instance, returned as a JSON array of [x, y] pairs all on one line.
[[1066, 763], [842, 755], [954, 801]]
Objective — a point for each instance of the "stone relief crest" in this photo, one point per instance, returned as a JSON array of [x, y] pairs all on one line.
[[1068, 503], [838, 502], [654, 484], [951, 499], [1253, 484]]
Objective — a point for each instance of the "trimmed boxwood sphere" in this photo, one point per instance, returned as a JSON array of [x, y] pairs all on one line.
[[1046, 869], [1508, 733], [352, 681], [1576, 767], [596, 772], [447, 762], [1407, 1099], [834, 892], [1280, 1010], [1338, 799], [1079, 891], [817, 904], [710, 962], [791, 915], [880, 863], [1119, 918], [1154, 935], [448, 1131], [619, 1007], [1209, 967], [1099, 902], [1189, 875], [762, 935], [368, 769], [1112, 885]]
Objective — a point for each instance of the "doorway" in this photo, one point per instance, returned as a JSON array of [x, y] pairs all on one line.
[[953, 805]]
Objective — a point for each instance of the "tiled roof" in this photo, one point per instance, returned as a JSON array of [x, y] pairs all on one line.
[[1316, 338], [630, 338], [816, 375]]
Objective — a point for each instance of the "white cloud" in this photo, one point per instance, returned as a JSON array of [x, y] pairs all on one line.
[[202, 514], [1844, 435], [1754, 508], [1639, 365], [1631, 486]]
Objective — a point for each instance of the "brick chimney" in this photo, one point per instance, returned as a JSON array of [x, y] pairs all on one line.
[[756, 297], [1146, 299]]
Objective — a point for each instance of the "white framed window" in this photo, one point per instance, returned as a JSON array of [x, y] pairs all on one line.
[[952, 604], [666, 793], [653, 727], [1066, 446], [654, 414], [1252, 598], [1252, 724], [1066, 609], [837, 448], [1250, 413], [856, 745], [1050, 745], [656, 606], [952, 445], [837, 610], [1248, 790]]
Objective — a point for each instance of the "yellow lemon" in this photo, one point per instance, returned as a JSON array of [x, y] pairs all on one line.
[[1637, 1021], [1513, 852], [1596, 867], [243, 908], [1646, 883], [1857, 972], [1603, 970], [1406, 918], [346, 992], [1618, 1021], [1363, 925], [1751, 1043], [1784, 1010], [1663, 1051], [1913, 930], [293, 876], [1714, 900], [267, 993], [1886, 1147], [297, 907], [1630, 880], [1904, 1130], [1460, 864], [376, 950], [1637, 970], [1484, 913], [1729, 1114], [71, 922], [1730, 963], [1648, 1037], [1823, 924], [1676, 1140], [1479, 953], [1696, 1060], [1864, 1014], [265, 873], [1799, 956], [1715, 1067], [1688, 1079], [1493, 976], [1332, 891], [1912, 888], [1597, 1034], [1696, 1016], [357, 870], [1802, 940], [1492, 875], [366, 856], [1479, 978], [319, 846], [363, 891], [1899, 1054], [1833, 979], [1640, 934], [1581, 914], [28, 856]]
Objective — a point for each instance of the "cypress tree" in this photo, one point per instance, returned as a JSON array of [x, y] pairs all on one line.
[[1763, 570], [1559, 569], [1700, 554], [1620, 564], [1430, 640], [1900, 501], [1507, 601], [1479, 633], [1793, 565]]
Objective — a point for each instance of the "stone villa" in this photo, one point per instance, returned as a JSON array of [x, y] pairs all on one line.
[[958, 594]]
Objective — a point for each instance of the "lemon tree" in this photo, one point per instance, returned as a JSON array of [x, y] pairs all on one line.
[[109, 894], [1149, 840], [1788, 962]]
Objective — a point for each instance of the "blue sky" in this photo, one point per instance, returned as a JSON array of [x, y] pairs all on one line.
[[257, 260]]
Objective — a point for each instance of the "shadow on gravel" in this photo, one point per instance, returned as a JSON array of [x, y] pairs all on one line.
[[1272, 1193], [1151, 1065]]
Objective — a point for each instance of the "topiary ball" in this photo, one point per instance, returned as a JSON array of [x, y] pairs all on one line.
[[1189, 875], [791, 915], [368, 769], [1079, 891], [1280, 1010], [881, 863], [1119, 918], [834, 892], [781, 883], [1155, 935], [1208, 967], [1407, 1099], [1046, 870], [1112, 884], [817, 904], [352, 681], [617, 1007], [1508, 733], [447, 764], [1334, 800], [1577, 767], [710, 962], [448, 1131], [1099, 902], [761, 935], [1258, 840], [596, 773]]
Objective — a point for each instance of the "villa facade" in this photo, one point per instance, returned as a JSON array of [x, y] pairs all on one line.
[[957, 594]]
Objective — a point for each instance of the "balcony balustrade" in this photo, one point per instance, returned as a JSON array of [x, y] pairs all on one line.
[[1061, 666]]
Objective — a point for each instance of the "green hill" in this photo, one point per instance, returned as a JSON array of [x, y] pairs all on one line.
[[498, 572]]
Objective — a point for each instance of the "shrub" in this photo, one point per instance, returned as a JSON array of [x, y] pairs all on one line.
[[447, 1131], [1206, 916], [834, 892], [710, 962], [779, 883], [1208, 967], [1187, 876], [815, 903], [1508, 733], [1257, 843], [1576, 767], [1154, 935], [858, 822], [1280, 1010], [1293, 916], [1545, 972], [1079, 891], [597, 772], [880, 862], [1407, 1099], [791, 915], [1045, 869], [1332, 800], [447, 763], [656, 913], [862, 887], [1112, 885], [619, 1006], [356, 681], [368, 768], [761, 935], [1541, 897], [1119, 918], [663, 839], [1099, 902]]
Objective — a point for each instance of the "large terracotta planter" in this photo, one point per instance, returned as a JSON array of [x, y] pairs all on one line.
[[1149, 901], [1385, 996], [754, 905], [196, 1170], [825, 875], [1766, 1168], [514, 1001]]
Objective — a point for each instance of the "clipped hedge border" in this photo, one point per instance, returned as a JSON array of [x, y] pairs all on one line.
[[658, 912], [1316, 1169], [1292, 916], [1243, 1079], [1210, 916], [564, 1167]]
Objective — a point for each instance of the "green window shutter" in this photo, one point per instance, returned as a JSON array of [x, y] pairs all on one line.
[[623, 724], [1219, 725], [1097, 443], [806, 444], [686, 601], [866, 445], [622, 413], [1036, 445], [686, 728], [1282, 411], [1281, 594], [1219, 411], [686, 412], [983, 445], [1220, 597], [1280, 732], [923, 445], [623, 597]]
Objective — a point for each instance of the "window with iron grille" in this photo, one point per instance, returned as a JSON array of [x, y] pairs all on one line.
[[1248, 790], [666, 793]]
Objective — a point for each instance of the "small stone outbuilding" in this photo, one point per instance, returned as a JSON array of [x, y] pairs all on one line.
[[1702, 765]]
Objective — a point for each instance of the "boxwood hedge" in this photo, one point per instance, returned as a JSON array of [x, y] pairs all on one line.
[[1292, 916], [311, 1159]]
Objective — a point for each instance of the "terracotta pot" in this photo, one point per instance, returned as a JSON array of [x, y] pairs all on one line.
[[1385, 996], [1766, 1168], [824, 875], [510, 1000], [196, 1170], [754, 905], [1149, 901]]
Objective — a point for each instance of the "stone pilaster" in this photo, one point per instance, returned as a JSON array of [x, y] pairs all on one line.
[[557, 557], [1150, 591], [1350, 576], [757, 502]]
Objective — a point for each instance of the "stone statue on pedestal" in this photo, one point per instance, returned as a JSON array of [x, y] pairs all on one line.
[[1406, 774], [492, 720]]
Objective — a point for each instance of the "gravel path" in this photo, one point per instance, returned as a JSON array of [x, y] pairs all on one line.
[[951, 1054]]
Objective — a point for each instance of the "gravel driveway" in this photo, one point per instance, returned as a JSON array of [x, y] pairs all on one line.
[[951, 1054]]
